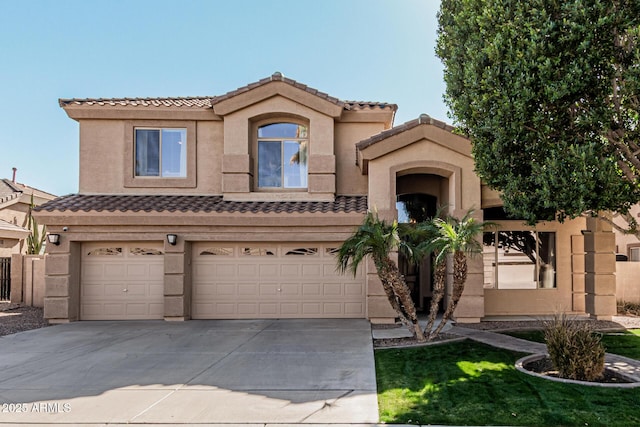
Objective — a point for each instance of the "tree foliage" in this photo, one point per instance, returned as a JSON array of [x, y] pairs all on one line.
[[548, 92], [378, 238]]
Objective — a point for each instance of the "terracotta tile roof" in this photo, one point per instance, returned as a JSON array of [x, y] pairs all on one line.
[[178, 203], [369, 105], [423, 119], [190, 102], [209, 101]]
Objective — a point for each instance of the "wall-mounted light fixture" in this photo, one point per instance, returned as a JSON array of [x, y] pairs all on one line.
[[54, 239], [172, 239]]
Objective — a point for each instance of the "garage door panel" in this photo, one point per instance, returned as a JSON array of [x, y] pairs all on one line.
[[312, 309], [246, 289], [122, 281], [224, 270], [311, 271], [290, 289], [245, 270], [289, 270], [312, 289], [268, 308], [330, 308], [114, 271], [225, 289], [267, 289], [290, 309], [268, 270], [353, 308], [333, 289], [353, 289], [156, 271], [278, 281]]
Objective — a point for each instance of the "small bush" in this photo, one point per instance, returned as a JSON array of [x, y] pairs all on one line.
[[628, 308], [575, 350]]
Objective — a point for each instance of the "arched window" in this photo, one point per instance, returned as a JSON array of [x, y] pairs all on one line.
[[283, 152]]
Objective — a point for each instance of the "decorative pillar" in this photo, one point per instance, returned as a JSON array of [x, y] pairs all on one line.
[[177, 280], [470, 308], [600, 268], [62, 282]]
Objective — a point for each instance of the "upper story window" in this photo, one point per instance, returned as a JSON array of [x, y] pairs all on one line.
[[161, 152], [283, 150]]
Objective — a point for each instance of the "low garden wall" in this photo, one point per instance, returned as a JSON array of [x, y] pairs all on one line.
[[27, 279]]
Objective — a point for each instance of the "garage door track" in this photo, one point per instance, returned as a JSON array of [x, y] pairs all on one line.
[[201, 371]]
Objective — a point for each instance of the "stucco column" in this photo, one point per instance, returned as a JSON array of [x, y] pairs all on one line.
[[600, 268], [177, 281], [17, 280], [470, 308], [62, 282], [379, 309]]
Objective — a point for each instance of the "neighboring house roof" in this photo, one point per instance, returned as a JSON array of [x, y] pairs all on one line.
[[11, 192], [12, 231], [208, 102], [178, 203]]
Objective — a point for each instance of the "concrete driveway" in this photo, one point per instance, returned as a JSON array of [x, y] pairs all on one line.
[[245, 371]]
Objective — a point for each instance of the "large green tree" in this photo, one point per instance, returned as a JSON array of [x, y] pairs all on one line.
[[548, 91]]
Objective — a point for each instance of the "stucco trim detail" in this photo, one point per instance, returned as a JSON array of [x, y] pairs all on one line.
[[446, 170]]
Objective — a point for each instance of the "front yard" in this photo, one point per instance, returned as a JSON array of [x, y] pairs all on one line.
[[468, 383]]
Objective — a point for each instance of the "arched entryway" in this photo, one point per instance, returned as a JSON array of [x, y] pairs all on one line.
[[418, 198]]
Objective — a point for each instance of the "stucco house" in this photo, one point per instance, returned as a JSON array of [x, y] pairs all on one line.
[[15, 202], [232, 206]]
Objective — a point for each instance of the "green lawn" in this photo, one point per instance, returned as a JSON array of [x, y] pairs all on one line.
[[624, 343], [470, 383]]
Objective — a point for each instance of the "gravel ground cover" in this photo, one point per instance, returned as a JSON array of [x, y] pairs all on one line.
[[16, 318]]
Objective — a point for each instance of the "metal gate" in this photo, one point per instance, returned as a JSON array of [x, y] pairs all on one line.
[[5, 279]]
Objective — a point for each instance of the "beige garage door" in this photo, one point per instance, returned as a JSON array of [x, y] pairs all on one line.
[[235, 281], [122, 281]]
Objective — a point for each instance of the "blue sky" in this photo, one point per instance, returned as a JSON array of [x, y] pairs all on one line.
[[371, 50]]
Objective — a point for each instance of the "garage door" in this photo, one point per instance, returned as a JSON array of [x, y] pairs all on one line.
[[122, 281], [235, 281]]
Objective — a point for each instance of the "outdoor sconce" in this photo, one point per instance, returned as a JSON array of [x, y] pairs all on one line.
[[54, 239], [172, 239]]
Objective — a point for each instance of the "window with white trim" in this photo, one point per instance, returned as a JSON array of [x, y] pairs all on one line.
[[283, 152], [160, 152]]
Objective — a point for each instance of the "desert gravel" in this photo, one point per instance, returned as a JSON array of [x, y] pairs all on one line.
[[15, 318]]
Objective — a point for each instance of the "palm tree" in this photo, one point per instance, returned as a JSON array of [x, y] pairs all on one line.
[[459, 238], [377, 238]]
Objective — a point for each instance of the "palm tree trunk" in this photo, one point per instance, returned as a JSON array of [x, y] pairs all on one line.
[[459, 279], [399, 294], [439, 282]]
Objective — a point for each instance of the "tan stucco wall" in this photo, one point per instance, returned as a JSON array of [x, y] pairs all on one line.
[[628, 282], [533, 302], [425, 157], [103, 152], [348, 176], [225, 150]]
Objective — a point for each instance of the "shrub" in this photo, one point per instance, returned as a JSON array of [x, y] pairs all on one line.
[[574, 349], [628, 308]]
